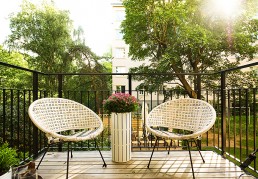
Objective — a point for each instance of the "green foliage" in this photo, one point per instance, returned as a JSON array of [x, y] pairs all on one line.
[[47, 36], [8, 158], [44, 33], [180, 37], [13, 78], [103, 140], [108, 66]]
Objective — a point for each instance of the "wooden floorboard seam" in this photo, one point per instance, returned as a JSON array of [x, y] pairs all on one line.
[[88, 164]]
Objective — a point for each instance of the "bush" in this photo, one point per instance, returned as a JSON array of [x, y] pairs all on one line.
[[8, 158]]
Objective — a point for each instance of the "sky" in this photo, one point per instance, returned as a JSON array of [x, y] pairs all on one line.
[[94, 16]]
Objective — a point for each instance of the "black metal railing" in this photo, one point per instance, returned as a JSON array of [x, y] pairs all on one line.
[[234, 134]]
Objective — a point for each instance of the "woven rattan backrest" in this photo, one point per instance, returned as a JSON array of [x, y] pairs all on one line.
[[58, 114], [187, 114]]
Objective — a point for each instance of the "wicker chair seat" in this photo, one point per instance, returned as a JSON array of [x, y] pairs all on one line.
[[59, 118], [181, 119], [192, 115], [64, 120]]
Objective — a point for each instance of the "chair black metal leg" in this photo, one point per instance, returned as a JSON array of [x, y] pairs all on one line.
[[152, 152], [188, 146], [67, 166], [71, 151], [199, 151], [169, 146], [104, 165], [43, 156]]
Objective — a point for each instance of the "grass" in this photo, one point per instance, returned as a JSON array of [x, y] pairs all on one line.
[[241, 139]]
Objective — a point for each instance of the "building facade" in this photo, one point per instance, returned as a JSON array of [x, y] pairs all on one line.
[[121, 63]]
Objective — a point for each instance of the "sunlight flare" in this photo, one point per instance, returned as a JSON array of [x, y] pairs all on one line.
[[224, 8]]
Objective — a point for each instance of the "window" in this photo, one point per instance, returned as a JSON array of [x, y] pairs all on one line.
[[120, 89], [119, 53], [120, 70], [118, 35], [143, 92], [119, 15]]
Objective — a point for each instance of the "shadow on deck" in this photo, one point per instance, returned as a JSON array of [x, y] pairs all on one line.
[[88, 164]]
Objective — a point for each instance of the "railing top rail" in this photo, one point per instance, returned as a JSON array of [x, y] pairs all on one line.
[[20, 68], [240, 67], [149, 74], [153, 74]]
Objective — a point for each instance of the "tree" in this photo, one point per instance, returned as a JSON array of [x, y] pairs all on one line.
[[46, 34], [180, 37], [43, 33]]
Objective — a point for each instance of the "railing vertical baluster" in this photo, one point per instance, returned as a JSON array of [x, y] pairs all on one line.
[[95, 110], [31, 135], [240, 123], [144, 120], [102, 118], [81, 97], [234, 119], [229, 121], [214, 104], [130, 83], [74, 95], [207, 133], [11, 118], [60, 85], [4, 114], [223, 113], [88, 99], [199, 142], [109, 124], [95, 102], [151, 106], [255, 124], [18, 120], [45, 93], [24, 125], [60, 95], [35, 129], [199, 86], [88, 142], [246, 121]]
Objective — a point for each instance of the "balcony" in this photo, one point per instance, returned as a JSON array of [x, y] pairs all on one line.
[[225, 146]]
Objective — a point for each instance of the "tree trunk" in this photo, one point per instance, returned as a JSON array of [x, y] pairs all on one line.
[[184, 82]]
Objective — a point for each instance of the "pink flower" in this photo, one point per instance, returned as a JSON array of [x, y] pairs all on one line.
[[120, 103]]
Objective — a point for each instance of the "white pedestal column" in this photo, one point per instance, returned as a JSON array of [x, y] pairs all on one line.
[[121, 137]]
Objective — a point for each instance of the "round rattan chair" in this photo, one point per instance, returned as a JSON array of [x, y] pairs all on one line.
[[186, 119], [64, 120]]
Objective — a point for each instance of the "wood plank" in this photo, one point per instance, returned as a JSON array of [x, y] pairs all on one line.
[[88, 164]]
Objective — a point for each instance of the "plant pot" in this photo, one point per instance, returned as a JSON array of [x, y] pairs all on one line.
[[7, 175], [121, 137]]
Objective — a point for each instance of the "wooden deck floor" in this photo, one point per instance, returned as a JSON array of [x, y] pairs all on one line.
[[88, 164]]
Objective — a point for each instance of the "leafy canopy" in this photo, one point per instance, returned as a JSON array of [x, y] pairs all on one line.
[[180, 36], [43, 32], [47, 36]]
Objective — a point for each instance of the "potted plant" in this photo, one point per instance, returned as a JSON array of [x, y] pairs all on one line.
[[8, 158], [120, 106], [120, 103]]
